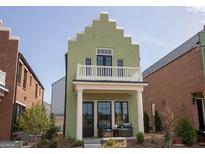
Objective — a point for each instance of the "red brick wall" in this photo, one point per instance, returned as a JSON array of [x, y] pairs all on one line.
[[175, 83], [8, 61], [27, 96]]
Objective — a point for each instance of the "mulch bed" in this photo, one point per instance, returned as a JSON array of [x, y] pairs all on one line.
[[159, 144]]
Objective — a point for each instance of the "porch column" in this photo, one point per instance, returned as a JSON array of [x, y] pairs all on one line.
[[79, 126], [140, 120], [95, 119]]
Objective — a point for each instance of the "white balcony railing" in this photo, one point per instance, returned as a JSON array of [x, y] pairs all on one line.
[[111, 73], [2, 77]]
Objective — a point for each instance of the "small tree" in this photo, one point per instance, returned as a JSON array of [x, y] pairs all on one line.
[[34, 120], [158, 124], [146, 123], [169, 124]]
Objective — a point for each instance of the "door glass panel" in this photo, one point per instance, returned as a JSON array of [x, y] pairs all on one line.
[[88, 120]]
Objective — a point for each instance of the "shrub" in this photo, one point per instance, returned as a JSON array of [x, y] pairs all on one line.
[[185, 131], [52, 132], [158, 124], [146, 123], [110, 143], [140, 137], [43, 143], [53, 144], [77, 143]]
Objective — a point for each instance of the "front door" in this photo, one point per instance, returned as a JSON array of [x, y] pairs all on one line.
[[200, 108], [88, 119]]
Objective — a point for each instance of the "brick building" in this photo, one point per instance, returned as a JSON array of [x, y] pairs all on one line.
[[178, 80], [19, 85]]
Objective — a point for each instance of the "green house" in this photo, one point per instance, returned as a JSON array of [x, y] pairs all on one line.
[[103, 82]]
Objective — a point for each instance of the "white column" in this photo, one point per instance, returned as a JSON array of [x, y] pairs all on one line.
[[113, 114], [140, 119], [79, 126], [95, 119]]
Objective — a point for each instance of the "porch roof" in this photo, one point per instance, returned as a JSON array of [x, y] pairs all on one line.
[[108, 85]]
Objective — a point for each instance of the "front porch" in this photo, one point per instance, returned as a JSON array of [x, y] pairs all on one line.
[[100, 103]]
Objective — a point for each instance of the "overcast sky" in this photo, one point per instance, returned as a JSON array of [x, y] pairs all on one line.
[[44, 32]]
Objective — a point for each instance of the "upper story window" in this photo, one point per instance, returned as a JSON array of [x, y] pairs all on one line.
[[39, 91], [104, 56], [88, 69], [25, 78], [120, 70], [19, 73], [30, 80], [36, 91], [87, 61], [120, 63]]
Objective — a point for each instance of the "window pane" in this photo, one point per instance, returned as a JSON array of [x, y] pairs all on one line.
[[121, 113], [104, 115]]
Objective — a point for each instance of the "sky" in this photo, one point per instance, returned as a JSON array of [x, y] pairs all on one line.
[[44, 32]]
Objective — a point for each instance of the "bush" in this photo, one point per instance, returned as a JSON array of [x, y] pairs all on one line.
[[110, 143], [185, 131], [43, 143], [52, 132], [77, 143], [140, 137], [146, 123], [53, 144], [158, 124]]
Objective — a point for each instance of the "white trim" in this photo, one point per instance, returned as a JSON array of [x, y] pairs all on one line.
[[79, 115], [4, 89], [20, 103], [203, 107], [113, 113]]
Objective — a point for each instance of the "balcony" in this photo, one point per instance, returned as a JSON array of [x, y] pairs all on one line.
[[2, 78], [108, 73]]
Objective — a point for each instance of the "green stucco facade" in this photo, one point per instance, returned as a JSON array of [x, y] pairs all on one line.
[[202, 46], [103, 33]]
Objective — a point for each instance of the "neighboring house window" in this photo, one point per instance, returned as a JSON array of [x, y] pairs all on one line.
[[120, 70], [104, 114], [19, 73], [88, 69], [39, 91], [30, 80], [25, 78], [36, 91], [19, 109], [121, 113]]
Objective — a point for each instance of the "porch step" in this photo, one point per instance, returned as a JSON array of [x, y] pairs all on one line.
[[92, 141], [92, 146]]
